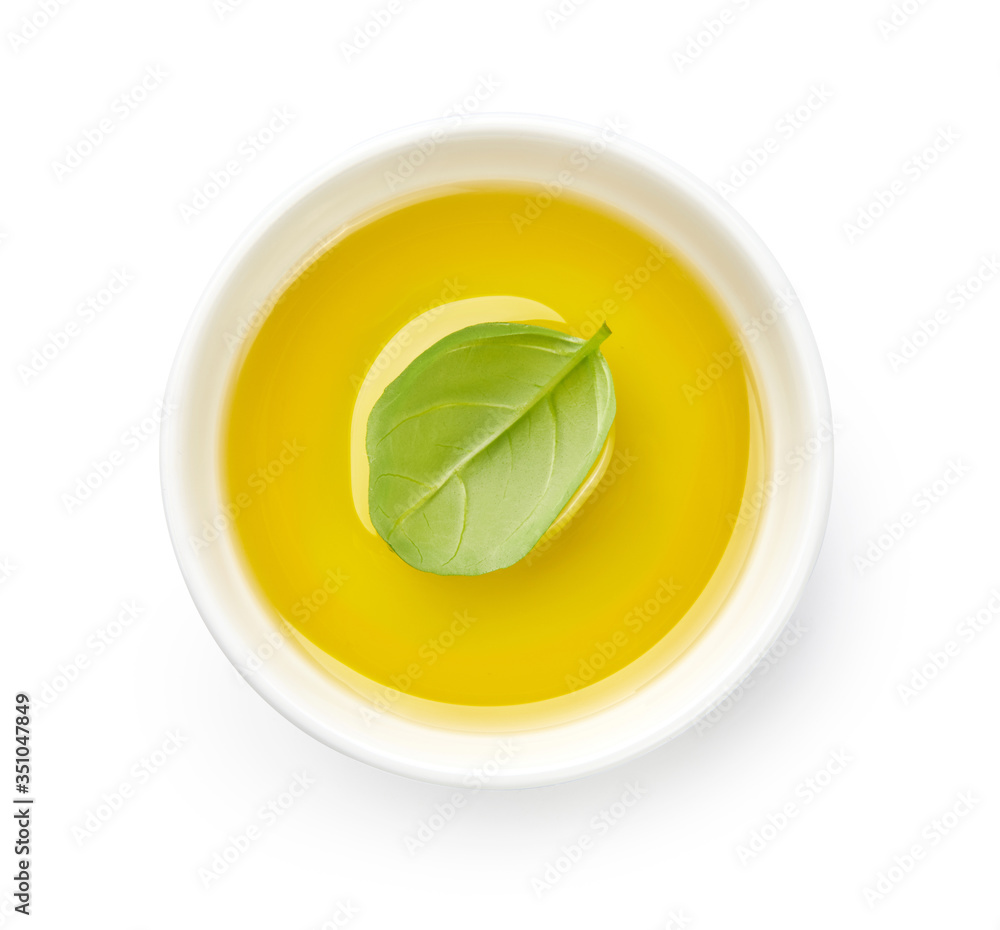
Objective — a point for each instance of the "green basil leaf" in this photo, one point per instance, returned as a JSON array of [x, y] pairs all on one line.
[[478, 445]]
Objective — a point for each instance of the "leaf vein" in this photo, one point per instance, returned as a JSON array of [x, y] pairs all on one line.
[[457, 403], [465, 518]]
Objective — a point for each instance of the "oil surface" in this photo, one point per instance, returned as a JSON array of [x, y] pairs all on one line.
[[593, 596]]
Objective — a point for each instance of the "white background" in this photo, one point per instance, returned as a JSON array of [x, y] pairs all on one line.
[[342, 845]]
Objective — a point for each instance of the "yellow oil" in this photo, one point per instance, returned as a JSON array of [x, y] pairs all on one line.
[[610, 585]]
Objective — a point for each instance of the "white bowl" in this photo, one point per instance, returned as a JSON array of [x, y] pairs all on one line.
[[786, 369]]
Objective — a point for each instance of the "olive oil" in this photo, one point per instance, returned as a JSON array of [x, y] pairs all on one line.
[[626, 572]]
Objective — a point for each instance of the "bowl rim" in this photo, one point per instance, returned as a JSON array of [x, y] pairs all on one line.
[[716, 211]]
